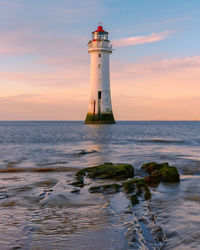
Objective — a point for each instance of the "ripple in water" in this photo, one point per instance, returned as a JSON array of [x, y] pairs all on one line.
[[39, 211]]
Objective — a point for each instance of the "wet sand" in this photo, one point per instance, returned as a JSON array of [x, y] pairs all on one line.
[[39, 209]]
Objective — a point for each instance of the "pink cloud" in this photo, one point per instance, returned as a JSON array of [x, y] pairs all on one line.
[[176, 64], [160, 79], [154, 37], [26, 41], [60, 78], [158, 66]]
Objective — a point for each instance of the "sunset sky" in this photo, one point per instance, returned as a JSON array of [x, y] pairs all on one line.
[[44, 63]]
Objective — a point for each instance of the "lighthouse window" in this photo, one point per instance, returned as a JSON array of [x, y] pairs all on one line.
[[99, 94], [99, 55], [99, 66]]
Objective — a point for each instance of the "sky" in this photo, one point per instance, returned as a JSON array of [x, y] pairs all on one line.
[[45, 66]]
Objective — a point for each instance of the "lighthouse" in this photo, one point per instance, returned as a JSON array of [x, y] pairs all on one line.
[[100, 107]]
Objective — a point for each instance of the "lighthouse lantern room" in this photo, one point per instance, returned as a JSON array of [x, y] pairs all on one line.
[[100, 108]]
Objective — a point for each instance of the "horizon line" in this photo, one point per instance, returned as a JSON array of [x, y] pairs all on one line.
[[154, 120]]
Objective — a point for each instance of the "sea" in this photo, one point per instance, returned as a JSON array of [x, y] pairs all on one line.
[[41, 209]]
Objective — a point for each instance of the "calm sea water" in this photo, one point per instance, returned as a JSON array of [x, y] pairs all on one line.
[[38, 161]]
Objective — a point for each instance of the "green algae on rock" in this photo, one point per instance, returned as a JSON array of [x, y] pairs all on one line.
[[138, 186], [134, 199], [103, 119], [107, 171], [150, 167], [106, 189], [160, 172], [129, 186], [79, 182]]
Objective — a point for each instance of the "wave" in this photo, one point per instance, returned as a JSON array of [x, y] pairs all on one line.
[[51, 163], [161, 141]]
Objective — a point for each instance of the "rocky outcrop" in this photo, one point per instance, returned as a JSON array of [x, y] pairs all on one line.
[[105, 189], [160, 172], [107, 171]]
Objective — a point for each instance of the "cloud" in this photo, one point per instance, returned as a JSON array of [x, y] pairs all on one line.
[[150, 90], [30, 42], [150, 66], [172, 78], [60, 78], [35, 28], [135, 40]]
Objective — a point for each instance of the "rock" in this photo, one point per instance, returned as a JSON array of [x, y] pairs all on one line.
[[143, 220], [78, 183], [106, 189], [84, 152], [150, 167], [108, 171], [131, 234], [129, 186], [152, 180], [137, 185], [75, 190], [42, 194], [134, 199], [157, 232], [128, 212], [160, 172], [3, 196], [152, 216]]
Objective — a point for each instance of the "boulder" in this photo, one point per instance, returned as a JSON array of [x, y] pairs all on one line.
[[160, 172], [107, 171], [138, 186], [105, 189]]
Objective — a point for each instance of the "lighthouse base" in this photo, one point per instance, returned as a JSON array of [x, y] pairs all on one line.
[[104, 118]]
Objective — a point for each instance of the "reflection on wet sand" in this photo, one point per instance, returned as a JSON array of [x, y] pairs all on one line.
[[46, 207], [102, 137]]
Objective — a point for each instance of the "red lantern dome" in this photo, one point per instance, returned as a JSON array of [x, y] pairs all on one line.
[[99, 34]]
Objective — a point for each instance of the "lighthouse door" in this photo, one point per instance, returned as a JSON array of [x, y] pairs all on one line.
[[99, 95], [99, 105]]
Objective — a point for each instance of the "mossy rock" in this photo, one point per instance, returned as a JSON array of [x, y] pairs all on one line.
[[107, 171], [138, 186], [160, 172], [150, 167], [106, 189], [147, 194], [79, 182], [153, 180], [168, 174], [104, 118], [129, 186], [134, 199]]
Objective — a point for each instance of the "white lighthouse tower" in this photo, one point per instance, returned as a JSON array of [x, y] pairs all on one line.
[[100, 108]]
